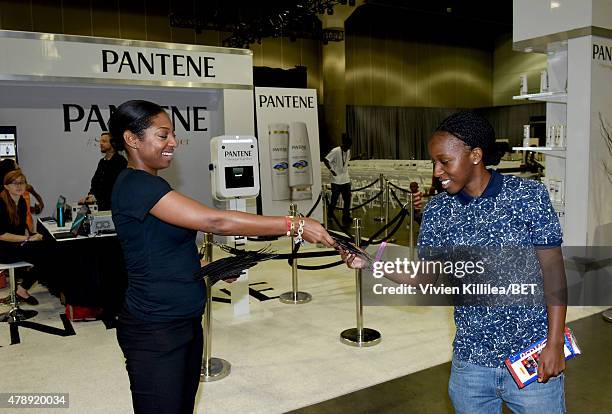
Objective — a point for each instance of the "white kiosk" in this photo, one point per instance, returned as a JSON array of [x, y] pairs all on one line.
[[234, 179]]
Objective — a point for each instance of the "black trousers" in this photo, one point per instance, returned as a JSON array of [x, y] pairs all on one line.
[[163, 361], [345, 190]]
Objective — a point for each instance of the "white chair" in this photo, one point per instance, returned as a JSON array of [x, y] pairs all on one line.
[[15, 314]]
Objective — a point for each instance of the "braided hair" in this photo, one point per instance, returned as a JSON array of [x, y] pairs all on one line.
[[476, 132]]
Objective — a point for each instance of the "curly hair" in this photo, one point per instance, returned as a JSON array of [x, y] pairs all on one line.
[[476, 132], [134, 116]]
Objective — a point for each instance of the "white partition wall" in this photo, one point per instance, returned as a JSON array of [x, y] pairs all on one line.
[[579, 32]]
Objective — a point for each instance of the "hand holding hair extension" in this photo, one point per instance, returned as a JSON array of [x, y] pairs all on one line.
[[231, 267], [350, 248]]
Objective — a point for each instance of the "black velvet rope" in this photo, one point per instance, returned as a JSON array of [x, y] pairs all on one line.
[[367, 186], [399, 188], [315, 205], [363, 204]]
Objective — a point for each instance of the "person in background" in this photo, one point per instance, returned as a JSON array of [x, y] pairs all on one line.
[[9, 164], [16, 237], [159, 328], [107, 172], [337, 162]]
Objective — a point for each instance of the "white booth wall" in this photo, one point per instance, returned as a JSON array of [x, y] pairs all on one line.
[[58, 146]]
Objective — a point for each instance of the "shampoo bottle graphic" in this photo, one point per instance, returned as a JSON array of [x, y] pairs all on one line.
[[278, 135], [300, 164]]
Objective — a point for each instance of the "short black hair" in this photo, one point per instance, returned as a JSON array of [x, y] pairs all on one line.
[[134, 116], [475, 131]]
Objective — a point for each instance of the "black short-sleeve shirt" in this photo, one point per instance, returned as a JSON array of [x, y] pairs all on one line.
[[5, 222], [161, 258]]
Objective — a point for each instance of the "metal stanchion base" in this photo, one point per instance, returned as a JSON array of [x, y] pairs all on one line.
[[219, 369], [607, 315], [17, 315], [296, 299], [368, 337]]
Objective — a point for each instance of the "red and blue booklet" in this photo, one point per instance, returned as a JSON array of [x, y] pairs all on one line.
[[524, 365]]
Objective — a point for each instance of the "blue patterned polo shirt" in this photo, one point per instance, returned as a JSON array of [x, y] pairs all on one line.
[[510, 212]]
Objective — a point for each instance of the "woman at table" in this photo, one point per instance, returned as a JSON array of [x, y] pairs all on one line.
[[159, 328], [16, 236]]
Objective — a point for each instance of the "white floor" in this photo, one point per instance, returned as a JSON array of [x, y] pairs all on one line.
[[283, 356]]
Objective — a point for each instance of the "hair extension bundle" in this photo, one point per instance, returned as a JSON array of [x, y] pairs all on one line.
[[232, 266], [349, 247]]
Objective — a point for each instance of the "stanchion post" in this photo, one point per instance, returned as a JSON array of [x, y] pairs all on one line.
[[325, 206], [387, 207], [381, 216], [294, 297], [411, 232], [359, 337], [213, 369]]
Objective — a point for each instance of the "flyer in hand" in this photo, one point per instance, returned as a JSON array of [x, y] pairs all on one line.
[[524, 365]]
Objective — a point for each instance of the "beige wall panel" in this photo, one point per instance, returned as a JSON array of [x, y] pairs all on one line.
[[508, 65], [290, 53], [105, 18], [378, 71], [349, 44], [424, 73], [133, 19], [394, 65], [442, 78], [474, 78], [77, 17], [362, 72], [257, 50], [311, 58], [271, 52], [209, 38], [409, 73], [16, 15], [158, 26], [182, 35], [47, 16]]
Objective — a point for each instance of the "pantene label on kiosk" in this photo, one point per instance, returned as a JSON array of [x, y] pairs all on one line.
[[235, 167], [43, 56]]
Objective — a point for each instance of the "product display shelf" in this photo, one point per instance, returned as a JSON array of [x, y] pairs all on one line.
[[555, 157], [554, 97], [552, 151]]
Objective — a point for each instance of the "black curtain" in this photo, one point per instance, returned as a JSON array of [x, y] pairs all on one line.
[[387, 132]]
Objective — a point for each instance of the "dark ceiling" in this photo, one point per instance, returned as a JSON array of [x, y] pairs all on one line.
[[474, 23]]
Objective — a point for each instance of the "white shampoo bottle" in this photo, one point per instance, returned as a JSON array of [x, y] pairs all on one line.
[[278, 140], [300, 162]]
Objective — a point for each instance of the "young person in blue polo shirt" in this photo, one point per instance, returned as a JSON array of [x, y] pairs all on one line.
[[481, 207], [484, 209]]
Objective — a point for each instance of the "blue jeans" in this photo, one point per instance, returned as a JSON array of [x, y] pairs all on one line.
[[475, 389]]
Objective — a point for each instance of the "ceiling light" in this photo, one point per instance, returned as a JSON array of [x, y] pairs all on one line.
[[555, 4]]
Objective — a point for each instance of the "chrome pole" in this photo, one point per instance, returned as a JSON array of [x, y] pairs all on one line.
[[294, 297], [411, 230], [387, 206], [359, 336], [15, 314], [213, 369], [325, 207], [381, 216]]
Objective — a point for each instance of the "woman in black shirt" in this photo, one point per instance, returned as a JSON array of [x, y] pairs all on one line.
[[160, 328], [15, 234]]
